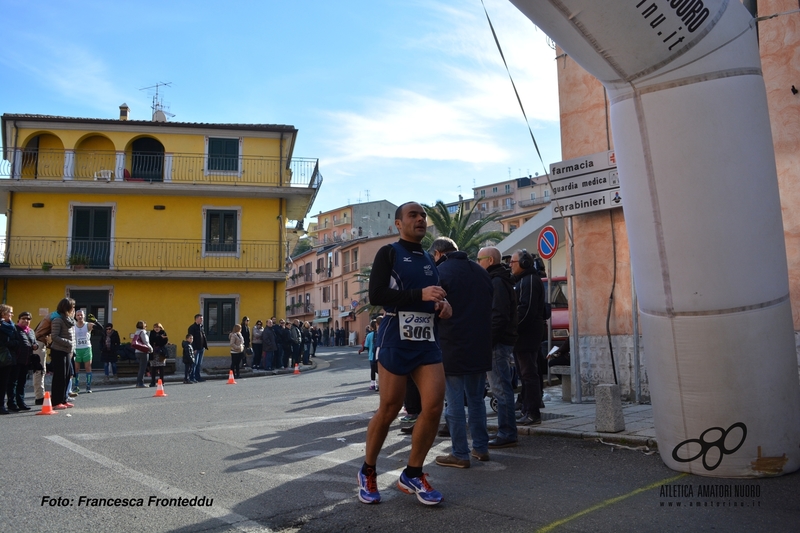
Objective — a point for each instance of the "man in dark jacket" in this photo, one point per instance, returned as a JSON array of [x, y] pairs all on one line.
[[466, 351], [504, 336], [530, 331], [200, 345]]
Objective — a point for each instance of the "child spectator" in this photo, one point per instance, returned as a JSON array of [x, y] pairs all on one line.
[[188, 359]]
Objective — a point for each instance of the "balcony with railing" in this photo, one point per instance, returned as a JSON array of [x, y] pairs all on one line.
[[143, 257], [534, 201], [110, 166], [298, 280], [341, 221], [299, 309]]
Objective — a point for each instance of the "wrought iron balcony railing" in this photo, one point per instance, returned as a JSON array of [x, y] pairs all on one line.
[[142, 255], [109, 166]]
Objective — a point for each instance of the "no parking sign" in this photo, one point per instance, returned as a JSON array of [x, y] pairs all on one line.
[[547, 242]]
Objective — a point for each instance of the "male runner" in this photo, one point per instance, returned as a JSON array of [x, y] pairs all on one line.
[[83, 351], [405, 282]]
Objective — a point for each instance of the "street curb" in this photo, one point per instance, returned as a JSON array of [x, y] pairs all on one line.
[[217, 375], [631, 440], [623, 439]]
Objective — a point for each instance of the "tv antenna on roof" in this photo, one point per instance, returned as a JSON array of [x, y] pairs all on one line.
[[160, 113]]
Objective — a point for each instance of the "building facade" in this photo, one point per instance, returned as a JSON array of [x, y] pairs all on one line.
[[354, 221], [151, 220]]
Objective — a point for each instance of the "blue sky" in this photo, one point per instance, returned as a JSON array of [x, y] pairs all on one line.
[[405, 99]]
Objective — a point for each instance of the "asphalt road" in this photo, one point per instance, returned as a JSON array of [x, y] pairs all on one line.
[[280, 453]]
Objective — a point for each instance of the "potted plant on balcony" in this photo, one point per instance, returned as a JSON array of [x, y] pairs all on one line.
[[47, 266], [79, 261]]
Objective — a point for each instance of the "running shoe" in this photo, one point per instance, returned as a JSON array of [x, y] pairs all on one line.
[[368, 488], [409, 418], [419, 486]]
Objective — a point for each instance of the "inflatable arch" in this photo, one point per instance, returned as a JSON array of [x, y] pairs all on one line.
[[700, 195]]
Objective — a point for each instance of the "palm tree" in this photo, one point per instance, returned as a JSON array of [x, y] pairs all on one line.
[[365, 306], [467, 236]]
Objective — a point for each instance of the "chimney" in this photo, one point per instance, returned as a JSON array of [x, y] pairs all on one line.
[[123, 111]]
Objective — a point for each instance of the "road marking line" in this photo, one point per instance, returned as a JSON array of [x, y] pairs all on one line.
[[608, 502], [219, 427], [242, 523]]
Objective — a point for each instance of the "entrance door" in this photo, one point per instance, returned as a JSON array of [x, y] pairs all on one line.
[[93, 303], [91, 236]]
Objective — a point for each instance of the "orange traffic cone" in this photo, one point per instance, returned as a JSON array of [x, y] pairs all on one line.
[[47, 406], [160, 390], [297, 368], [231, 381]]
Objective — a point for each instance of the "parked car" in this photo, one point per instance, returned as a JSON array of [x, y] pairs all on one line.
[[559, 318]]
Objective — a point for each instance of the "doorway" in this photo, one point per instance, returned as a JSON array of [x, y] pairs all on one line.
[[94, 302]]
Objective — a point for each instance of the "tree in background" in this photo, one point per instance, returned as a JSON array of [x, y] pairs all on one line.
[[363, 301], [467, 236], [302, 246]]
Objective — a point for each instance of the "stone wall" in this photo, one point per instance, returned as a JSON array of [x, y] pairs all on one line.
[[596, 366]]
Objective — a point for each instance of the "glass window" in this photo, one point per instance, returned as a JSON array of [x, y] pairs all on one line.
[[219, 315], [221, 231]]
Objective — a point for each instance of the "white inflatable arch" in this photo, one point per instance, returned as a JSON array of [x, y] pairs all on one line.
[[700, 194]]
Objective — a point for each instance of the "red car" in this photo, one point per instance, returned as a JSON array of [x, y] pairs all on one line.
[[559, 318]]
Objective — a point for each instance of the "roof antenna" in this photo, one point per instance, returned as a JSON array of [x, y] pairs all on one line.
[[160, 113]]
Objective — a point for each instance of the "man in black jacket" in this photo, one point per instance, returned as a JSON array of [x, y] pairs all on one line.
[[504, 336], [200, 345], [466, 351], [530, 331]]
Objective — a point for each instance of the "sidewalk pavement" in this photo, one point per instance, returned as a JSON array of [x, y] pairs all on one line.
[[577, 420]]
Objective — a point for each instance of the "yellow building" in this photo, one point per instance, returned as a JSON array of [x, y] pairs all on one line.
[[150, 220]]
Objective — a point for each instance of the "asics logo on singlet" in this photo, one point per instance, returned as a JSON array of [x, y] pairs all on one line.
[[418, 319]]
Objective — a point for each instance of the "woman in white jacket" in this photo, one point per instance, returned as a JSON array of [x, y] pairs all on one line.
[[144, 340], [237, 349]]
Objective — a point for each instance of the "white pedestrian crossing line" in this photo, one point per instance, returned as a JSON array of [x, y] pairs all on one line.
[[235, 520]]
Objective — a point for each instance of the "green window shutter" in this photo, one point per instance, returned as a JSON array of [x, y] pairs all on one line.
[[223, 154]]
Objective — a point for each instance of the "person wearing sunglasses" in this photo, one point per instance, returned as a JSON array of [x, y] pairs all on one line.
[[108, 352]]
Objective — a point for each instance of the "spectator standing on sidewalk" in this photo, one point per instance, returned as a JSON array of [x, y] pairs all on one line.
[[108, 352], [141, 355], [258, 346], [158, 340], [466, 351], [529, 290], [62, 333], [246, 336], [26, 352], [8, 366], [188, 359], [504, 336], [200, 345], [269, 348], [237, 348]]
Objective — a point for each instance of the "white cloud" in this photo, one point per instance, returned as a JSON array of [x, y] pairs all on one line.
[[467, 117]]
